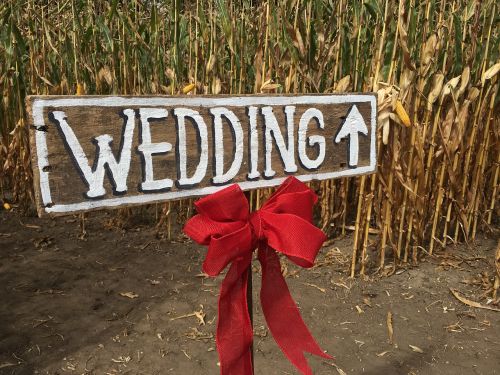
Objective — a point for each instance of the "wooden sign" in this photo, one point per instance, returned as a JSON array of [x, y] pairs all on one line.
[[93, 152]]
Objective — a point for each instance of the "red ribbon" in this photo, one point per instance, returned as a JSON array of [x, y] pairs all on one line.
[[231, 232]]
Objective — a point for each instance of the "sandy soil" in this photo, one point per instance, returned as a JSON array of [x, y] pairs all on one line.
[[123, 301]]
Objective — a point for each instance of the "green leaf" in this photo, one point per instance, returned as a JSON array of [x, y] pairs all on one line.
[[373, 8]]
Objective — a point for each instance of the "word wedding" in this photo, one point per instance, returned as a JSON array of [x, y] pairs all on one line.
[[95, 152]]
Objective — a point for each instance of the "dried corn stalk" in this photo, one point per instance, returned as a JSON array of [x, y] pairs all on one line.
[[436, 71]]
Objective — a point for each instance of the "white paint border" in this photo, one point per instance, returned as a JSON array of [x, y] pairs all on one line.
[[234, 101], [42, 154]]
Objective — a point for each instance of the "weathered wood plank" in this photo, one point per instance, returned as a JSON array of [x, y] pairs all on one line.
[[92, 152]]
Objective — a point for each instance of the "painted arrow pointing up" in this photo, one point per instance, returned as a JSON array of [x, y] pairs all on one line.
[[353, 124]]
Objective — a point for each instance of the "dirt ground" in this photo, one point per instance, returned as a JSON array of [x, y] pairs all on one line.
[[118, 301]]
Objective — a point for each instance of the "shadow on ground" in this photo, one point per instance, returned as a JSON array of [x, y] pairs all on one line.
[[128, 301]]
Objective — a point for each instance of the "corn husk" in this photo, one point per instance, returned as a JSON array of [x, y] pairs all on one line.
[[403, 116]]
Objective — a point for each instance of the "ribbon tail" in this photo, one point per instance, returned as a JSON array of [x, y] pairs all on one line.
[[282, 314], [234, 329]]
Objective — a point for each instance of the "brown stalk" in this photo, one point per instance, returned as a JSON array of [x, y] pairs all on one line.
[[483, 148], [356, 225]]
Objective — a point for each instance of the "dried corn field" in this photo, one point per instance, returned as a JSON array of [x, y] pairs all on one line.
[[434, 64]]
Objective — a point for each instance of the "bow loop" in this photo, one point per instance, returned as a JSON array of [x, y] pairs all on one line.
[[286, 219], [297, 203], [294, 237], [226, 249], [291, 185], [222, 227], [226, 205]]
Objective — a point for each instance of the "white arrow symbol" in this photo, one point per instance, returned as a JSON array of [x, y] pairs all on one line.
[[353, 124]]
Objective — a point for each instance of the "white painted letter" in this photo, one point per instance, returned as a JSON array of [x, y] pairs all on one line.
[[313, 140], [94, 177], [201, 169], [273, 130], [148, 149], [253, 149], [221, 177]]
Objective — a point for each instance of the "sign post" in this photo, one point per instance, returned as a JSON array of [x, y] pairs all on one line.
[[97, 152]]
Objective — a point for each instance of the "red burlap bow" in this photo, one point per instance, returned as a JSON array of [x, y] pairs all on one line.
[[283, 224]]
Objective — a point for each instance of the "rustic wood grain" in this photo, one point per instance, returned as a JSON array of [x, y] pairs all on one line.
[[67, 185]]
